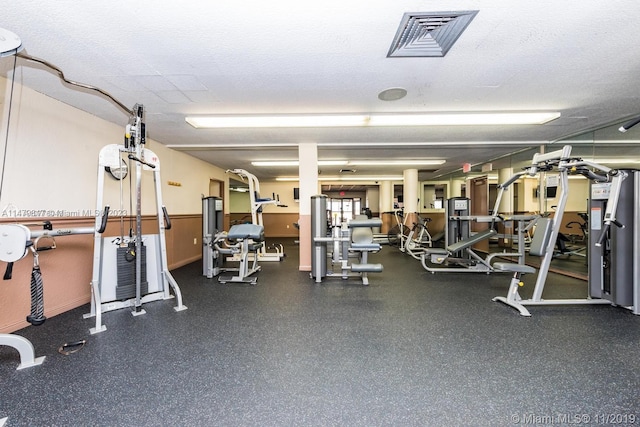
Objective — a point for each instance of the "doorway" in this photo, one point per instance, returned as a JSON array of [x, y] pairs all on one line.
[[344, 210]]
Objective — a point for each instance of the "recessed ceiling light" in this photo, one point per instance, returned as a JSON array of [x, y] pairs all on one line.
[[392, 94]]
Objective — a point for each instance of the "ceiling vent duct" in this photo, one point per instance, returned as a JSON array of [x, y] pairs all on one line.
[[429, 34]]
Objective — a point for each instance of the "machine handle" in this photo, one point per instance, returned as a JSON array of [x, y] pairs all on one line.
[[167, 221], [36, 317], [605, 229], [135, 159], [105, 217], [8, 272]]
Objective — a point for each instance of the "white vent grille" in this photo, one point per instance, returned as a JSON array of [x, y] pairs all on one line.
[[429, 34]]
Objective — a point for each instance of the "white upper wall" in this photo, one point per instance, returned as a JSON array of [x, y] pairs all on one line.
[[52, 155]]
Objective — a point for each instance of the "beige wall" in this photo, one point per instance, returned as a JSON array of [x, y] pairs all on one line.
[[578, 193], [51, 173]]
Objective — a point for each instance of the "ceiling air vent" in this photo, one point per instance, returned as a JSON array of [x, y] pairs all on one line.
[[429, 33]]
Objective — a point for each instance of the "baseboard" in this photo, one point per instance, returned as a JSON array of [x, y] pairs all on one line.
[[184, 262], [50, 312]]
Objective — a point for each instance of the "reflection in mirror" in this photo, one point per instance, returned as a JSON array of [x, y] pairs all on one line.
[[607, 146]]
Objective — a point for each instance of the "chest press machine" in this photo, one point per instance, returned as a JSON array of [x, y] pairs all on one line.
[[614, 277]]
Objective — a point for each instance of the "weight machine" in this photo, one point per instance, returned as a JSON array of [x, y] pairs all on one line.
[[148, 278], [354, 238], [613, 271], [130, 270], [242, 242], [614, 274], [458, 251], [16, 240], [212, 224], [257, 205]]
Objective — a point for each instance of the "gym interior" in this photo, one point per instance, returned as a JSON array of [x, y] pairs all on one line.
[[155, 274]]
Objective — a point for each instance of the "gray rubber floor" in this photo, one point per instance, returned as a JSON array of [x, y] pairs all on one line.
[[411, 349]]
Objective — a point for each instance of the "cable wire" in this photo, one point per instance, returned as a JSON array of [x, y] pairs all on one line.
[[6, 137]]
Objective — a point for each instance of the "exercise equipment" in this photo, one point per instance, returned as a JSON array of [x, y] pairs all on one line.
[[16, 240], [458, 254], [243, 241], [131, 270], [71, 347], [352, 239], [257, 205], [132, 248], [212, 225], [37, 317], [410, 240], [613, 257], [613, 283], [419, 239], [565, 244]]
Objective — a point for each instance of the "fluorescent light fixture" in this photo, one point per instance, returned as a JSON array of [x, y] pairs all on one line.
[[287, 178], [395, 162], [268, 163], [276, 163], [361, 178], [343, 144], [351, 120], [346, 178], [463, 119], [292, 163], [290, 121]]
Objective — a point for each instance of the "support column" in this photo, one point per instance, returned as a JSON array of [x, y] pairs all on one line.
[[308, 173], [410, 195], [456, 187], [506, 206], [386, 205], [506, 203]]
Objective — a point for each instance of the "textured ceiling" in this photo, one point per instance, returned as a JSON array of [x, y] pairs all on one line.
[[241, 57]]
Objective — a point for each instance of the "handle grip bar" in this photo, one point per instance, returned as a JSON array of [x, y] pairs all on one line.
[[605, 229], [105, 218], [167, 221]]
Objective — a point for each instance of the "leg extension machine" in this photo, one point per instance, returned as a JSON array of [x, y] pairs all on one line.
[[245, 242]]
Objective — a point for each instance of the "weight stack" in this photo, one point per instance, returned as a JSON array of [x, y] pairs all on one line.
[[126, 265]]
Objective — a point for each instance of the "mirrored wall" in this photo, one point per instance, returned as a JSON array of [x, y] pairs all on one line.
[[607, 146]]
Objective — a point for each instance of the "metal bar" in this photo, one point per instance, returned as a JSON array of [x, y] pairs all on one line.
[[557, 222]]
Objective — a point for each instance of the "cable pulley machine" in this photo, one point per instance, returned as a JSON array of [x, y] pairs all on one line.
[[130, 270]]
